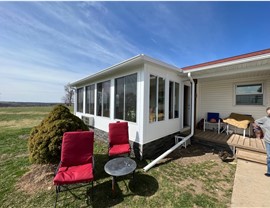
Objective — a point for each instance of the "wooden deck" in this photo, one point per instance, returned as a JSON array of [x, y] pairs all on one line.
[[235, 140], [245, 148]]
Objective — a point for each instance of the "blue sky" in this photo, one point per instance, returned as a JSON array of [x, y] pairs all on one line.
[[45, 45]]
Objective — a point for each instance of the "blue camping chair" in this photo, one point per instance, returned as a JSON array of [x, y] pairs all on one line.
[[213, 121]]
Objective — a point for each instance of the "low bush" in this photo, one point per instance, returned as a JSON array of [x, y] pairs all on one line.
[[45, 140]]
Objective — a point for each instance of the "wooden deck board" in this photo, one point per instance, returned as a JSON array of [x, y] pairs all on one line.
[[235, 140], [259, 144], [252, 143]]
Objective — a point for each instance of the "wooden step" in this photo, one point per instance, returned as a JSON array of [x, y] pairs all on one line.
[[253, 156]]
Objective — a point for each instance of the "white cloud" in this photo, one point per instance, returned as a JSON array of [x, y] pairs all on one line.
[[46, 45]]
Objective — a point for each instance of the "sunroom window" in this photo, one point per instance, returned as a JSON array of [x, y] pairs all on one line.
[[126, 98], [90, 99], [80, 100], [249, 94], [173, 100], [156, 98], [103, 99]]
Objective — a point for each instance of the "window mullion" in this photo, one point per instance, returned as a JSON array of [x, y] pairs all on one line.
[[102, 94], [124, 104], [173, 115], [157, 84]]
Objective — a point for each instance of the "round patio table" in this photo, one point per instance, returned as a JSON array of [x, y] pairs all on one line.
[[120, 166]]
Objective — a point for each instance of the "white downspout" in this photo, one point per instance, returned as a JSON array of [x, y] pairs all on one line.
[[184, 139]]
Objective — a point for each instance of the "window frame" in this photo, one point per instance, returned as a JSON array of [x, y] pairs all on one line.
[[247, 84], [157, 99], [175, 105], [102, 99], [78, 107], [88, 105], [124, 98]]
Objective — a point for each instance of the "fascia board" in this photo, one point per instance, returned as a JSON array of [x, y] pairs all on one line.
[[107, 70], [161, 63], [139, 59], [256, 58]]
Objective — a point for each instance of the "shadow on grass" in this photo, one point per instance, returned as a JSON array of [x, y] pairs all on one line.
[[103, 196], [100, 161], [141, 185]]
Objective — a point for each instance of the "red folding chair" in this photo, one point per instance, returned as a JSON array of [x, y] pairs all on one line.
[[118, 139], [77, 162]]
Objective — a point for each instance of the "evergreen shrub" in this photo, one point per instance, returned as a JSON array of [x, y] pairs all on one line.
[[45, 140]]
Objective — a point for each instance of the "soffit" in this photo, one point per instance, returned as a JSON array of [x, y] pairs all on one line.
[[247, 69]]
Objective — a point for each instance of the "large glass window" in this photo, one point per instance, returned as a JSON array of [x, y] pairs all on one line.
[[176, 100], [126, 98], [119, 98], [80, 100], [161, 98], [90, 99], [249, 94], [156, 98], [103, 99], [171, 97], [173, 100]]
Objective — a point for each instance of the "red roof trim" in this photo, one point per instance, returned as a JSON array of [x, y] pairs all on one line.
[[233, 58]]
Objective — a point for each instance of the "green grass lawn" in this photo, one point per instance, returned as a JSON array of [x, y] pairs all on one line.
[[169, 184]]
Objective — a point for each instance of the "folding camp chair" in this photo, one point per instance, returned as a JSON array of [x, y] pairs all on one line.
[[118, 139], [77, 162], [213, 120]]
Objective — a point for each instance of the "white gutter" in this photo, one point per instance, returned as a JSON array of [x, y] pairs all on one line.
[[184, 139]]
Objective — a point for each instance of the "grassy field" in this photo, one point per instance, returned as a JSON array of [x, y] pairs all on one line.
[[180, 180]]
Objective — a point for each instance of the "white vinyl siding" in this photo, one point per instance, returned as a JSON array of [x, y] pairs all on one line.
[[219, 96], [155, 130]]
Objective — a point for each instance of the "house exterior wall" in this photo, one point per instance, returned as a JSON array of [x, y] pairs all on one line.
[[219, 96], [147, 138], [102, 123], [142, 131], [160, 129]]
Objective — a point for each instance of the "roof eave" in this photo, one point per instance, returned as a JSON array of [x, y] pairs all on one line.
[[254, 58], [140, 59]]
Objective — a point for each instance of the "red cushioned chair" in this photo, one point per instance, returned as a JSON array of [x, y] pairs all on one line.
[[118, 139], [77, 162]]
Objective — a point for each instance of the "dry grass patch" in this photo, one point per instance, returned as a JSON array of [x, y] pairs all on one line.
[[24, 123], [39, 178], [23, 113], [200, 171]]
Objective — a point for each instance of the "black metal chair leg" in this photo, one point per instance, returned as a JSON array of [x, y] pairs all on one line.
[[92, 191], [90, 194], [57, 192]]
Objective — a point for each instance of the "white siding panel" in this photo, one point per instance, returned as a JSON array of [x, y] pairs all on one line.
[[219, 96], [159, 129]]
